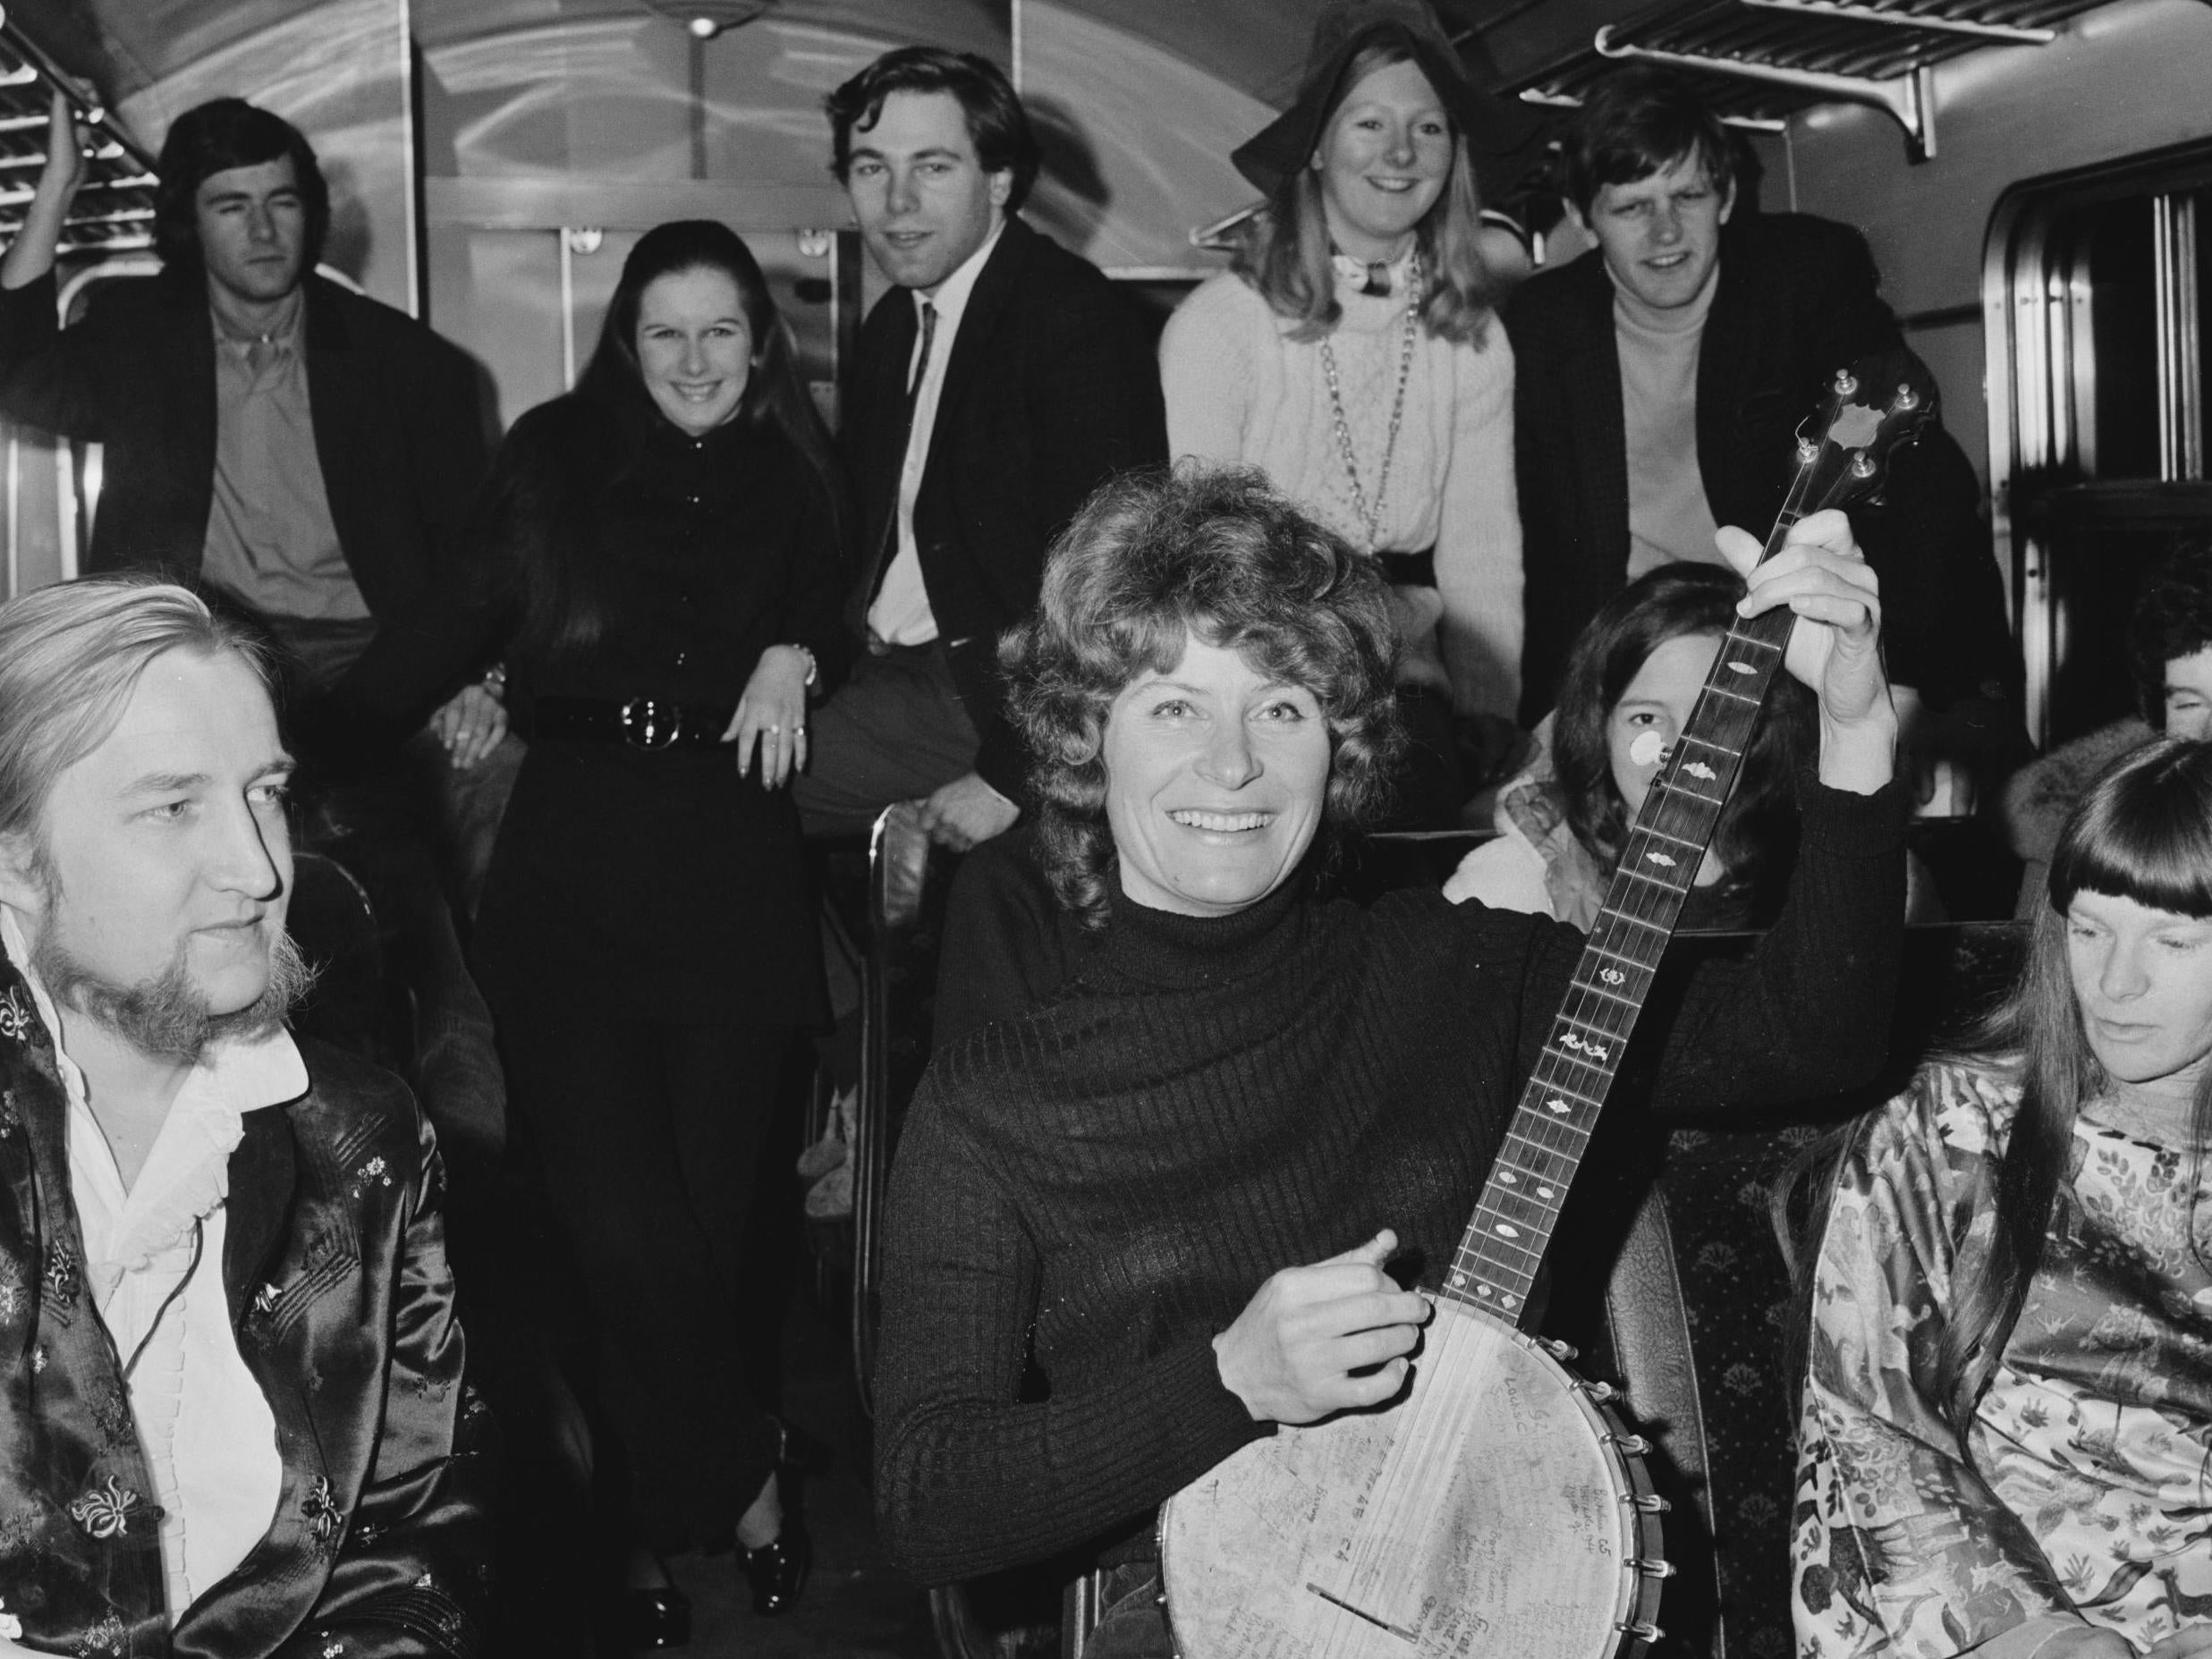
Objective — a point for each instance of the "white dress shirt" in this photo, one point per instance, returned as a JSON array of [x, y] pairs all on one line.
[[206, 1431], [901, 615]]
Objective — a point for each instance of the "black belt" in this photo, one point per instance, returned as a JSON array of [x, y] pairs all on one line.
[[1409, 570], [642, 722]]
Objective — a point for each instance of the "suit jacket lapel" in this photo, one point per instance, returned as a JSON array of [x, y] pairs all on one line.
[[1727, 367], [186, 349], [996, 283], [880, 428], [259, 1210], [1598, 427], [334, 398]]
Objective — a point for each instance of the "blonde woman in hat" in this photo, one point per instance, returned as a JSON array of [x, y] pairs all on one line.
[[1350, 353]]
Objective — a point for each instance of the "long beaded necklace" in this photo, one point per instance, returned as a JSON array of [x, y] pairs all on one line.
[[1370, 517]]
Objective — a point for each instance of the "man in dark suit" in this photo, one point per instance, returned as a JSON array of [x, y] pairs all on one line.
[[304, 457], [1660, 381], [998, 383], [308, 451]]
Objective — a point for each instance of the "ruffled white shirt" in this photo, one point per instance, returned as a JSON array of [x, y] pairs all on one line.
[[206, 1431]]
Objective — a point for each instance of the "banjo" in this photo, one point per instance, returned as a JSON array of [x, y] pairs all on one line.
[[1500, 1507]]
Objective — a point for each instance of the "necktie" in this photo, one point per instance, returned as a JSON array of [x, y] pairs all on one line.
[[921, 363], [890, 548]]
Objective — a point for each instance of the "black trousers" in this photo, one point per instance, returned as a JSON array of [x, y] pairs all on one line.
[[650, 1136]]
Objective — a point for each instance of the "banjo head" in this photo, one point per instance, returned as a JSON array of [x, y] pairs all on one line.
[[1497, 1509]]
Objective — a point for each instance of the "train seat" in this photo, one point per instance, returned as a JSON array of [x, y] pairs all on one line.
[[1698, 1310]]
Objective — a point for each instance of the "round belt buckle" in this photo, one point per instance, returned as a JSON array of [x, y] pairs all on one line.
[[647, 723]]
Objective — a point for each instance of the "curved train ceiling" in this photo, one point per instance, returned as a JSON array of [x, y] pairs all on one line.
[[525, 104]]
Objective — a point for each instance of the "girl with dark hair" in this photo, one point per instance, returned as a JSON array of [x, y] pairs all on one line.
[[662, 547], [2007, 1416], [1629, 684], [1350, 354]]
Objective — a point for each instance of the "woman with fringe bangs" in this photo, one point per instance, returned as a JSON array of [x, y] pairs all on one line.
[[1350, 354], [2007, 1441]]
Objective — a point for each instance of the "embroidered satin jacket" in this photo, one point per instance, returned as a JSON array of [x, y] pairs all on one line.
[[335, 1269]]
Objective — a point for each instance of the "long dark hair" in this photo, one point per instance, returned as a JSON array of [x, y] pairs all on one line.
[[1757, 835], [1284, 250], [2143, 832], [559, 609]]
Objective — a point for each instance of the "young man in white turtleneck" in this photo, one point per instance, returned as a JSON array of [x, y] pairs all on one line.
[[1662, 379]]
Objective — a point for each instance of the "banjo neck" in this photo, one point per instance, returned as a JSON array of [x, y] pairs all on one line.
[[1498, 1258], [1499, 1507], [1495, 1264]]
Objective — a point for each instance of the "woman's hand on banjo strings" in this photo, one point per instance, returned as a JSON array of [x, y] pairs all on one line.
[[1291, 1355], [1836, 648], [772, 715]]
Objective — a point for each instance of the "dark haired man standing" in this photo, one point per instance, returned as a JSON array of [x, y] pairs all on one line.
[[998, 383], [1660, 383], [301, 454]]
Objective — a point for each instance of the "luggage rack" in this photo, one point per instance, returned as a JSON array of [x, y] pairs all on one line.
[[1766, 60], [113, 212]]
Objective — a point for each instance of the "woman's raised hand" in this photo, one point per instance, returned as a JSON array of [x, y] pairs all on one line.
[[1289, 1354], [1836, 647], [771, 716]]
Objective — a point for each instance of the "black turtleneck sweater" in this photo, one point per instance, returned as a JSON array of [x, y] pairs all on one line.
[[1084, 1196]]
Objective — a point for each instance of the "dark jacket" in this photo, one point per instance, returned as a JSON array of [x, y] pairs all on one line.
[[334, 1263], [399, 429], [1797, 300], [662, 875], [1051, 390]]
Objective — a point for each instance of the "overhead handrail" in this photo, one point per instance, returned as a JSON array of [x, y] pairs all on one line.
[[1908, 99], [1850, 10]]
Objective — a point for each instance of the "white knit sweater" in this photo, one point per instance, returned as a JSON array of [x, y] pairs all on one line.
[[1239, 389]]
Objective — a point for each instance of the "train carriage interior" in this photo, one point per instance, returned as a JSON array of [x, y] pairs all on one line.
[[2034, 178]]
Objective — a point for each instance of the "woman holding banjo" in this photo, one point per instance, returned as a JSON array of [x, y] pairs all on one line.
[[1207, 1189]]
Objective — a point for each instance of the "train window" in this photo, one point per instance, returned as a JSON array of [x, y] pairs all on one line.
[[2099, 291]]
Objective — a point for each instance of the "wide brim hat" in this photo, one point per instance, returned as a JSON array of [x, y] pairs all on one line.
[[1492, 127]]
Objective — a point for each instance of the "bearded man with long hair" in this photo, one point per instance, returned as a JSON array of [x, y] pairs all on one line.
[[233, 1418]]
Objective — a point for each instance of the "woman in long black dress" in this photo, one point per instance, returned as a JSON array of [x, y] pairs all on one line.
[[667, 536]]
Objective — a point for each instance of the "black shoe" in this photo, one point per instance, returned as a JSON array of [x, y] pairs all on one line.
[[778, 1570], [656, 1618]]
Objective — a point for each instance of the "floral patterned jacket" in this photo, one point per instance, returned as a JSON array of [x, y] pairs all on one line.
[[2088, 1498], [343, 1304]]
